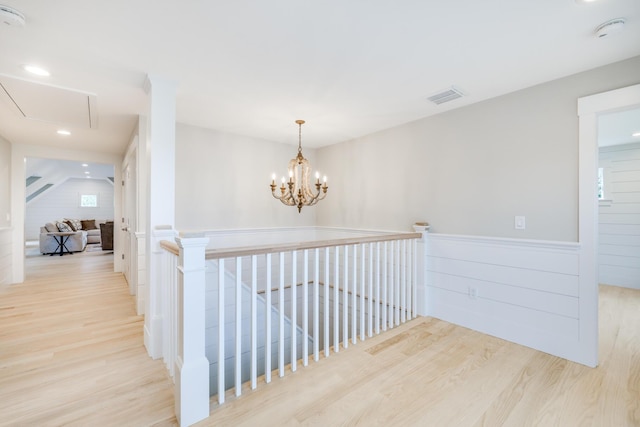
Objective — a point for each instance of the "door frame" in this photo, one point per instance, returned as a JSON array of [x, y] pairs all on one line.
[[589, 108]]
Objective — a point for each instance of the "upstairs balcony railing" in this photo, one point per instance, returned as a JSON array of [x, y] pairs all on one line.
[[238, 315]]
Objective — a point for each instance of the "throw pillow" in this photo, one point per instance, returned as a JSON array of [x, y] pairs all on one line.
[[63, 227], [70, 224], [89, 224], [76, 224], [51, 227]]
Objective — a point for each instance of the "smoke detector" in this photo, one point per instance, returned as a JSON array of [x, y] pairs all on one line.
[[11, 17], [609, 27]]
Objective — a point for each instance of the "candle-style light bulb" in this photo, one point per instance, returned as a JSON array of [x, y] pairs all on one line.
[[317, 177], [273, 179], [325, 179]]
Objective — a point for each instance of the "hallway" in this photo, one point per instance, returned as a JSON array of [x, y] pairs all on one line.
[[71, 349]]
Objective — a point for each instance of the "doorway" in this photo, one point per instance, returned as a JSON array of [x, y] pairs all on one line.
[[619, 198], [589, 109], [78, 195]]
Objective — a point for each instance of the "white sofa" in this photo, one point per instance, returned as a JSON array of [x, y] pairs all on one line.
[[77, 241]]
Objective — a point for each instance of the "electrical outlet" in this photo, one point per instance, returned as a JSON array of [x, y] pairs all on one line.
[[473, 292], [519, 223]]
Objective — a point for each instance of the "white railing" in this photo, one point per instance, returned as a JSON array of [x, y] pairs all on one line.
[[271, 308], [169, 308]]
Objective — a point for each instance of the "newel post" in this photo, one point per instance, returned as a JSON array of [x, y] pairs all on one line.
[[192, 366], [421, 268]]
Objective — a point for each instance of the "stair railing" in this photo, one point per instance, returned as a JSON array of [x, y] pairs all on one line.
[[291, 303]]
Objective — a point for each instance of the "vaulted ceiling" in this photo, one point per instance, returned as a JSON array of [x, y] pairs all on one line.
[[252, 67]]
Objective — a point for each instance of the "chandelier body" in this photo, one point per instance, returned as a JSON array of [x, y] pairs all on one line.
[[297, 191]]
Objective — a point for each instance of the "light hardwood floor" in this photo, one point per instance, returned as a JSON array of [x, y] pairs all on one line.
[[71, 349], [71, 353]]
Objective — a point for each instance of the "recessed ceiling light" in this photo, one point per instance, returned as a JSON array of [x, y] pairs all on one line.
[[585, 1], [64, 132], [635, 134], [87, 172], [84, 165], [38, 71]]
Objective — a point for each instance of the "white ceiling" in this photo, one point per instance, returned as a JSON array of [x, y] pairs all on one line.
[[251, 67], [63, 169]]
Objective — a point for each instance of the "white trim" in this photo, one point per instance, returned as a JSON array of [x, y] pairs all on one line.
[[507, 241]]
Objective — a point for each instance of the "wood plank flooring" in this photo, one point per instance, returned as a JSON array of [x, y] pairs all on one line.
[[432, 373], [71, 353], [71, 349]]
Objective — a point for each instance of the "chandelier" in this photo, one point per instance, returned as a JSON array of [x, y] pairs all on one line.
[[297, 191]]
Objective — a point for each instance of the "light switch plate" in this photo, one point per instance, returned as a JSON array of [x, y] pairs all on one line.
[[520, 223]]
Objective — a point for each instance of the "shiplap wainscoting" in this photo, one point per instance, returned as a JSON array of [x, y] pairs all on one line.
[[619, 217], [523, 291], [5, 255]]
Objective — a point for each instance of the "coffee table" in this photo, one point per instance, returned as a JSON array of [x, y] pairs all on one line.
[[61, 238]]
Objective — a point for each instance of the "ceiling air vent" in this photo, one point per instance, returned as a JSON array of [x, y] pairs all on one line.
[[446, 95]]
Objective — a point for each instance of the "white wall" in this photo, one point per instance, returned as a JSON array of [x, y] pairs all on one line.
[[222, 181], [62, 201], [470, 171], [619, 218], [5, 182]]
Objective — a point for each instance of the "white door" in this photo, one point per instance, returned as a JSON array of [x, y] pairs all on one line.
[[128, 224]]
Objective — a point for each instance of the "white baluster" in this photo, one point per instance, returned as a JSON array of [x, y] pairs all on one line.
[[238, 342], [370, 294], [392, 283], [294, 310], [305, 309], [396, 282], [327, 305], [336, 295], [267, 325], [281, 318], [362, 290], [221, 328], [316, 305], [377, 288], [354, 294], [414, 278], [385, 280], [345, 300], [254, 321], [403, 265]]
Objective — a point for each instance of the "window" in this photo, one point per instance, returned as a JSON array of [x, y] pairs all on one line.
[[88, 200]]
